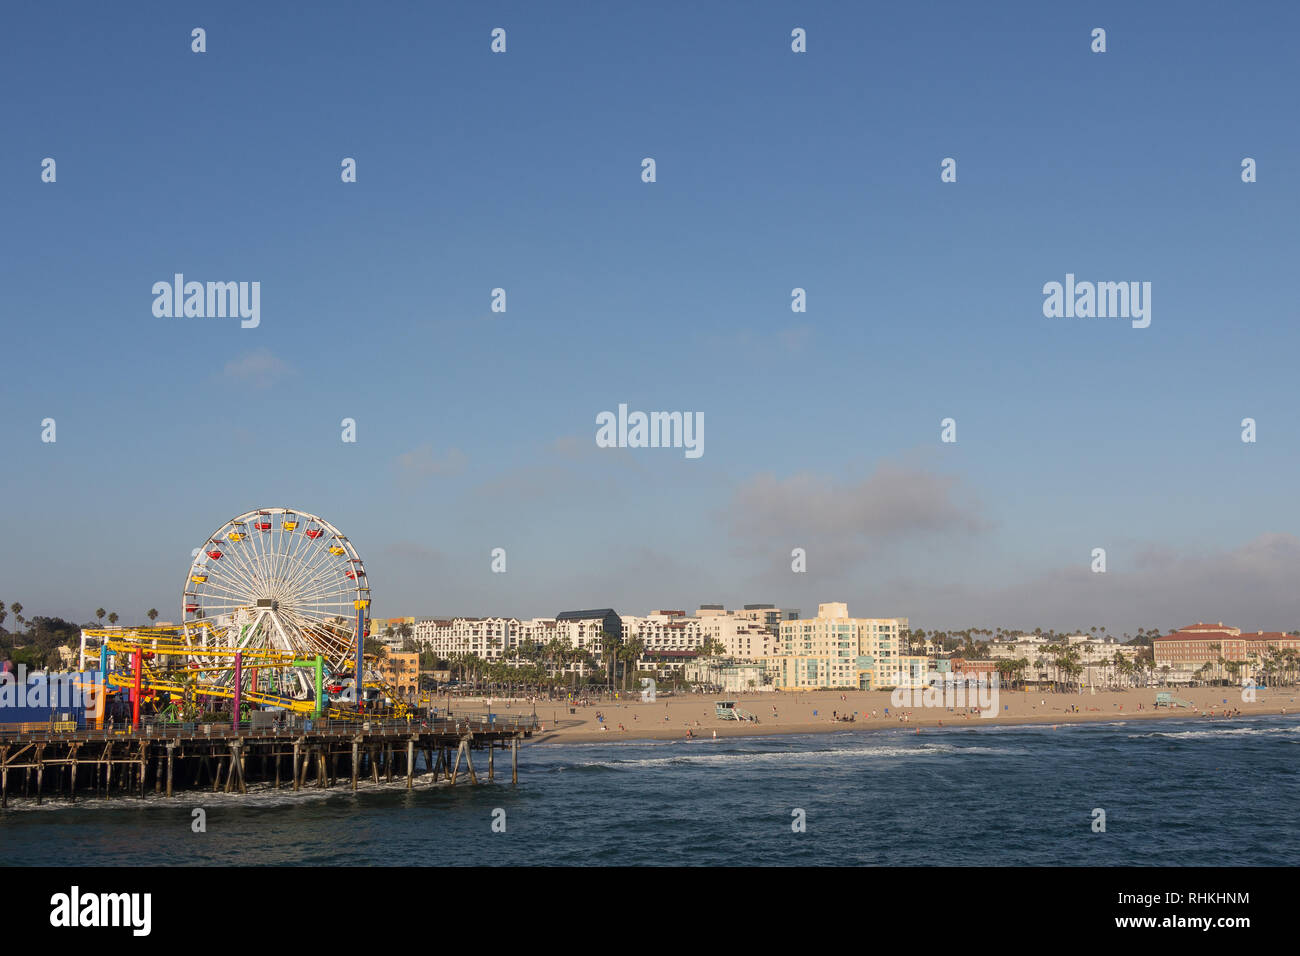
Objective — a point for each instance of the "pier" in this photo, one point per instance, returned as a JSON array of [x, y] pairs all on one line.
[[39, 762]]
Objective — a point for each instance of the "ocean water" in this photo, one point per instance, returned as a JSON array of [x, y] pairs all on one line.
[[1175, 792]]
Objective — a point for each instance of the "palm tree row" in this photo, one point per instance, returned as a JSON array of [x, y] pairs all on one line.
[[971, 642], [17, 610]]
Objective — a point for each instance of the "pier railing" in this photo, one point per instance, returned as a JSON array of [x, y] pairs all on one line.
[[454, 724]]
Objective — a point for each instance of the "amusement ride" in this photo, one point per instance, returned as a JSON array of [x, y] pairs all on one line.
[[275, 612]]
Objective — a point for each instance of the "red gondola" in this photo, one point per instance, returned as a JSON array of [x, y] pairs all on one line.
[[191, 608], [214, 555], [351, 574], [262, 525], [313, 532]]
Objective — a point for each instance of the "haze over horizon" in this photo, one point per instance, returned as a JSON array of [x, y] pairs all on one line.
[[821, 171]]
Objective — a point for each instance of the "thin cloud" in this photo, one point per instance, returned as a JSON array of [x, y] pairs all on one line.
[[259, 368], [421, 463], [893, 502], [1251, 586]]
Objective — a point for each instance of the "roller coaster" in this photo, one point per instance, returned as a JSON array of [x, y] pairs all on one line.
[[159, 665]]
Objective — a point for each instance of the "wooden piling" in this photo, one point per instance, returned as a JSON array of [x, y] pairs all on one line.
[[469, 761]]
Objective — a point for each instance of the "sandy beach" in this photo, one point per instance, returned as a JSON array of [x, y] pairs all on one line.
[[816, 712]]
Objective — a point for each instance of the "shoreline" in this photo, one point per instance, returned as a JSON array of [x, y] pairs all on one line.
[[803, 714], [551, 739]]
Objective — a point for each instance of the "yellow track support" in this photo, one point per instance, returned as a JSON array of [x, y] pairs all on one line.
[[173, 642]]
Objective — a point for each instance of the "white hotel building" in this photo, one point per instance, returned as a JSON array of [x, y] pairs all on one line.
[[669, 639], [499, 638]]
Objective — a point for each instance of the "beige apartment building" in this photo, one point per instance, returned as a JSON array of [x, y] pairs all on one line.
[[743, 639], [401, 671], [835, 650]]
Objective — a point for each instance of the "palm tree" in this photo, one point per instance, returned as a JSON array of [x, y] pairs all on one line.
[[112, 619], [631, 652], [18, 612], [99, 613], [609, 649], [152, 614]]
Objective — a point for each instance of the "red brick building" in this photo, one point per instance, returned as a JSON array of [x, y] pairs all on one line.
[[1189, 649]]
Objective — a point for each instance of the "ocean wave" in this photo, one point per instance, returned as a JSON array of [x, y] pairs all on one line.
[[1208, 732], [844, 755]]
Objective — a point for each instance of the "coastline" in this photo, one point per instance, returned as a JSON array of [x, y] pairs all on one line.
[[810, 713]]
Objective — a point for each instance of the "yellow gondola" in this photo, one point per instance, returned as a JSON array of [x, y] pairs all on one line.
[[361, 604], [236, 536], [335, 549], [288, 524], [198, 578]]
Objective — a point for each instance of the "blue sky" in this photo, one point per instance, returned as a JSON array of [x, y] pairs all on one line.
[[775, 170]]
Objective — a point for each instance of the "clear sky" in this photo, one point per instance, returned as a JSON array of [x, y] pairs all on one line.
[[775, 170]]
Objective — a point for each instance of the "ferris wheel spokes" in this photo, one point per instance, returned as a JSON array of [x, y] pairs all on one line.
[[278, 579]]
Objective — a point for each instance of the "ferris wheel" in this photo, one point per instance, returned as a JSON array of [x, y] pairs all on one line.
[[278, 579]]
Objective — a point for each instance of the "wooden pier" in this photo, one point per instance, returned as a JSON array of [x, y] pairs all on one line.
[[167, 759]]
